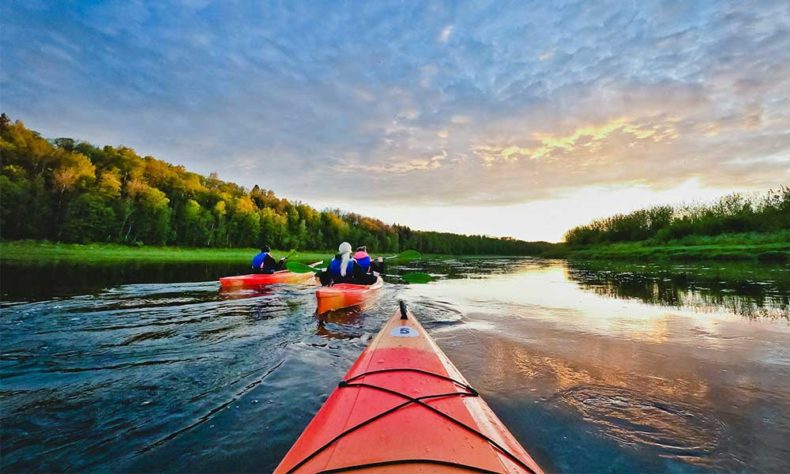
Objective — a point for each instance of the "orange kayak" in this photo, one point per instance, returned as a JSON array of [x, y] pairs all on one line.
[[404, 407], [345, 295], [258, 279]]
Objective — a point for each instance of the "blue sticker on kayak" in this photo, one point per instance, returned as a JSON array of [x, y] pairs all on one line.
[[404, 331]]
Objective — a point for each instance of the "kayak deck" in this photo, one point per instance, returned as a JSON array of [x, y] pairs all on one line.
[[345, 295], [403, 406], [257, 279]]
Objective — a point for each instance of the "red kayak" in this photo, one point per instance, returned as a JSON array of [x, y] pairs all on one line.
[[346, 295], [404, 407], [255, 280]]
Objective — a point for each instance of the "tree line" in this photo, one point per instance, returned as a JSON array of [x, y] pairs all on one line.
[[734, 213], [71, 191]]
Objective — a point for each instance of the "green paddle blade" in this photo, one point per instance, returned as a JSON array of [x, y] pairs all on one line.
[[297, 267], [416, 277], [407, 255]]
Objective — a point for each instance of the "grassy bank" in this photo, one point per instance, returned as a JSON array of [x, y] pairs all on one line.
[[30, 251], [754, 247], [750, 247], [24, 251]]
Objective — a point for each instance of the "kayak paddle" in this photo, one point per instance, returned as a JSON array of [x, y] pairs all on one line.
[[298, 267], [407, 255], [411, 277]]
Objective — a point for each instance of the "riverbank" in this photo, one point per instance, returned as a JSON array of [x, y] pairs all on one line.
[[27, 251], [747, 247]]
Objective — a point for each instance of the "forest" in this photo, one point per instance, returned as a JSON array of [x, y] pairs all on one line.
[[66, 190], [732, 214]]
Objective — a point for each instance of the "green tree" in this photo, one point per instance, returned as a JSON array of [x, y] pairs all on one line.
[[89, 217]]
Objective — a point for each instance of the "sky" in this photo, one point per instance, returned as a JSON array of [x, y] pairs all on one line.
[[517, 119]]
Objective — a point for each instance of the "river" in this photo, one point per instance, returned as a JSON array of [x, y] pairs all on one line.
[[594, 367]]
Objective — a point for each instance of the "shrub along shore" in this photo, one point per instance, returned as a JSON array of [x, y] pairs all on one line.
[[765, 248]]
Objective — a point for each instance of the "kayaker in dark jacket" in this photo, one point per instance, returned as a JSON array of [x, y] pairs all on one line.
[[264, 262]]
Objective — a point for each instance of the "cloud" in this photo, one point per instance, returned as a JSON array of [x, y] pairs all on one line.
[[447, 31], [590, 140], [449, 103]]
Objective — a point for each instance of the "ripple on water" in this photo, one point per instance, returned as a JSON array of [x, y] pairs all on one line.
[[435, 313], [632, 418]]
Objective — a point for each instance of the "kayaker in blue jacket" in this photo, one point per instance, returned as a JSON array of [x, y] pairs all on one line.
[[341, 267], [264, 262]]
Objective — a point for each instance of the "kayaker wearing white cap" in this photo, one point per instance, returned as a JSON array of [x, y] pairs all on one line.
[[346, 265], [341, 267]]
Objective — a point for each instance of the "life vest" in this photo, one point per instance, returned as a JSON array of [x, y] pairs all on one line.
[[363, 260], [258, 260], [334, 267]]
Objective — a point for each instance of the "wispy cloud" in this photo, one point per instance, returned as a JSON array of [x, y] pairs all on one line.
[[447, 31], [586, 140]]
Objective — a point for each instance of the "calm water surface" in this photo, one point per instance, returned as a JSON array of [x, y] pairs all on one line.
[[594, 368]]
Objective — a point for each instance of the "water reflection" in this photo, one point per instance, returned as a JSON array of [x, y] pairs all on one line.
[[752, 291], [29, 282], [244, 293], [749, 290]]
